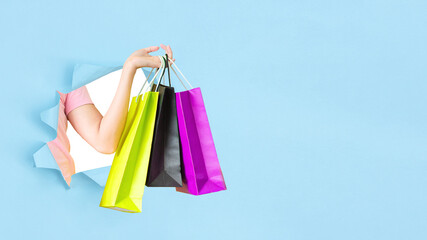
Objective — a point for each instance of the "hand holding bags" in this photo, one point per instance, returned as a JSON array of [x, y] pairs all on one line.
[[201, 170], [161, 133], [165, 161], [126, 181]]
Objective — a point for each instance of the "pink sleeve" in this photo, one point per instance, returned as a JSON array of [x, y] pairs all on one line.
[[77, 98]]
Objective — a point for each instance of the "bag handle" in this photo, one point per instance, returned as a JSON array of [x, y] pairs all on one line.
[[165, 65], [154, 78], [174, 64]]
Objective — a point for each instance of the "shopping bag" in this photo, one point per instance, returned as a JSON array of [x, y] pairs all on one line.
[[126, 180], [201, 170], [164, 169]]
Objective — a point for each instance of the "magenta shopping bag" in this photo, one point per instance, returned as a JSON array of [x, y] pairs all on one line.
[[201, 170]]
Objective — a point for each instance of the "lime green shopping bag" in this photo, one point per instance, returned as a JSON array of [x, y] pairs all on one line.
[[126, 180]]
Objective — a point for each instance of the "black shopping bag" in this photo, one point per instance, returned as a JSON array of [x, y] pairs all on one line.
[[164, 168]]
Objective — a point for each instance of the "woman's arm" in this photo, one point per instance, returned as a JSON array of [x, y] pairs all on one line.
[[103, 132]]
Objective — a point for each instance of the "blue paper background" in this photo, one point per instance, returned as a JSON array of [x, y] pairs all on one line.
[[318, 111]]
